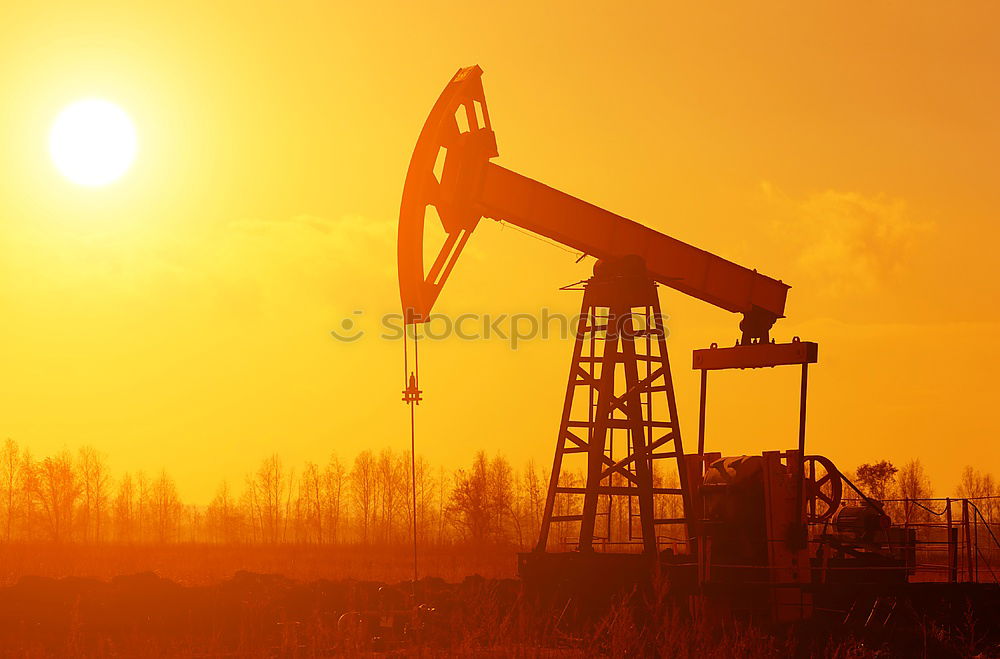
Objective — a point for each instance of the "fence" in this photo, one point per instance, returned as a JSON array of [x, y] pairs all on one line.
[[943, 539]]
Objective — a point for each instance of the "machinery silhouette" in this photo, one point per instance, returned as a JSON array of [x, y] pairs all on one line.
[[769, 535]]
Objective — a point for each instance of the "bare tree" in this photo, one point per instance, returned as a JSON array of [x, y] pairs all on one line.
[[333, 494], [94, 488], [363, 484], [10, 464], [913, 484], [426, 490], [288, 503], [271, 488], [469, 509], [192, 522], [443, 494], [125, 509], [387, 493], [981, 486], [535, 498], [311, 492], [221, 517], [28, 499], [142, 505], [501, 498], [166, 507], [59, 489], [250, 502]]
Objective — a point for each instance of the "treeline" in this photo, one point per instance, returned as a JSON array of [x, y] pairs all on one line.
[[73, 497], [370, 501], [903, 489]]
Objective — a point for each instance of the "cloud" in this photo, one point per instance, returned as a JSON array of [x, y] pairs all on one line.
[[342, 261], [248, 268], [350, 231], [845, 243]]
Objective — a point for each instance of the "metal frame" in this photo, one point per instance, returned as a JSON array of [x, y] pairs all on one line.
[[758, 355], [621, 372]]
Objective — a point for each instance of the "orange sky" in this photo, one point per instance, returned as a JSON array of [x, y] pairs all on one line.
[[180, 317]]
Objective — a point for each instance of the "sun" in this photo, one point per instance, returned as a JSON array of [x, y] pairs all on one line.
[[93, 142]]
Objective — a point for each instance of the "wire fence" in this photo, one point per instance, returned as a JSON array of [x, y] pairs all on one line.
[[944, 539], [953, 540]]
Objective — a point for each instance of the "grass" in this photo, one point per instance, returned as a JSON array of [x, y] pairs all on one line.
[[48, 609]]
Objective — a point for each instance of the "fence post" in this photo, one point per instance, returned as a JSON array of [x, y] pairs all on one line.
[[975, 522], [968, 539], [952, 540], [906, 512]]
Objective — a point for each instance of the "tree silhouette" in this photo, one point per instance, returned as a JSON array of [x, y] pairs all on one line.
[[913, 483], [469, 509], [166, 507], [876, 478], [10, 464], [363, 489], [980, 485], [93, 475], [58, 489], [270, 498], [62, 499], [125, 510], [311, 494], [334, 477]]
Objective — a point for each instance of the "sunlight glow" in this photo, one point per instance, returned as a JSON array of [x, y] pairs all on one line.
[[93, 142]]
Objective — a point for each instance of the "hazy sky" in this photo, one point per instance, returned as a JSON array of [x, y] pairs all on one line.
[[180, 317]]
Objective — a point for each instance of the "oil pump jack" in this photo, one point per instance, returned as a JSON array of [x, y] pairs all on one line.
[[739, 524]]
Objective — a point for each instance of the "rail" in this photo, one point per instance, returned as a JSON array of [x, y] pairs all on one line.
[[945, 539]]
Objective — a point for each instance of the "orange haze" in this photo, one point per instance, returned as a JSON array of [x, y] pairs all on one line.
[[180, 317]]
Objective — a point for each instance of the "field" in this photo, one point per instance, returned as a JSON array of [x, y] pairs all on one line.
[[207, 564], [307, 601]]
